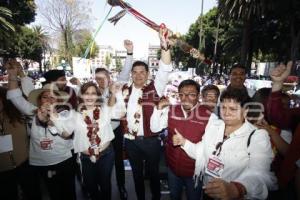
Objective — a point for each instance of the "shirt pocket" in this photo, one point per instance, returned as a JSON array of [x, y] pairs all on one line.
[[236, 157]]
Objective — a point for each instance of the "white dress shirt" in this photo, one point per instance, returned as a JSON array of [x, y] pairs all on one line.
[[122, 78], [132, 108], [160, 82], [249, 166]]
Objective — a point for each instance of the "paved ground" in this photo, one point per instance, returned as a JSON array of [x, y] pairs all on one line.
[[129, 186]]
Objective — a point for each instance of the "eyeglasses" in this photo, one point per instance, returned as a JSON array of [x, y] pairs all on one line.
[[189, 95]]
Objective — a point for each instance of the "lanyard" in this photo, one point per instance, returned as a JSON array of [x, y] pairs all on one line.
[[218, 149]]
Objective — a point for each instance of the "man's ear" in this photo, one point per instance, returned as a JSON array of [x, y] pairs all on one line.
[[245, 111]]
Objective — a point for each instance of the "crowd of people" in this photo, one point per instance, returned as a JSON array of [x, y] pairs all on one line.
[[219, 143]]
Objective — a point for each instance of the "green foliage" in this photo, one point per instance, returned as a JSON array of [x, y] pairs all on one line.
[[13, 14], [264, 30], [82, 40], [107, 60], [23, 11], [118, 64], [245, 10], [25, 44], [65, 19], [5, 21]]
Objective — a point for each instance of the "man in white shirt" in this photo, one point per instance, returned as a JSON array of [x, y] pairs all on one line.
[[141, 144], [237, 76], [190, 118]]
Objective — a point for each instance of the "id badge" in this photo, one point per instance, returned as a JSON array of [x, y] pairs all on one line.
[[214, 167], [46, 144], [6, 144]]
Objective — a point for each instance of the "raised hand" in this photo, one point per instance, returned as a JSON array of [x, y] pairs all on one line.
[[75, 81], [281, 72], [163, 103], [128, 46], [12, 68], [195, 53], [164, 36], [114, 88], [178, 139], [43, 112]]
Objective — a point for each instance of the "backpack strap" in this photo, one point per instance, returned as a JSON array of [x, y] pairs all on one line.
[[249, 138]]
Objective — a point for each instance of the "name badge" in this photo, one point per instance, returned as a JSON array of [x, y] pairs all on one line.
[[6, 144], [46, 144], [214, 167]]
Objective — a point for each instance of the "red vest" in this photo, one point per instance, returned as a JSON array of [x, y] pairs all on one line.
[[288, 167], [192, 128], [149, 99]]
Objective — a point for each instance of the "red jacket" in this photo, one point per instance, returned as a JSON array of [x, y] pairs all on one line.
[[278, 115], [288, 166], [285, 119], [192, 128]]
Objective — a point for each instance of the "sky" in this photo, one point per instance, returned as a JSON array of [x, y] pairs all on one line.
[[178, 15]]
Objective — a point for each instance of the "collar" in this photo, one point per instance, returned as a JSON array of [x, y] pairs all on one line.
[[105, 93], [185, 113], [246, 128]]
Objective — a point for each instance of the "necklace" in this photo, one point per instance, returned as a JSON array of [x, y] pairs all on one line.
[[135, 125], [92, 134]]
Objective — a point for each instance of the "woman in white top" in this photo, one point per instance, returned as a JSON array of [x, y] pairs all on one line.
[[49, 153], [93, 135], [234, 156]]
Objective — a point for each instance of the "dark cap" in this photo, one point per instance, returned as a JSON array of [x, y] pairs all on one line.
[[53, 75]]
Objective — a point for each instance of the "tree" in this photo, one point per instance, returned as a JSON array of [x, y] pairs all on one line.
[[65, 17], [5, 20], [13, 14], [247, 12], [118, 64], [107, 60], [26, 45], [82, 40], [210, 28], [6, 28], [23, 11], [43, 38], [288, 12]]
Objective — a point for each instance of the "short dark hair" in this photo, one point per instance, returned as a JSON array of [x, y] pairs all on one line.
[[210, 87], [140, 63], [235, 66], [239, 95], [261, 95], [101, 69], [53, 75], [189, 82]]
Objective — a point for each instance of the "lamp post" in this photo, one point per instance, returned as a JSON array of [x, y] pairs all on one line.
[[216, 44], [200, 30]]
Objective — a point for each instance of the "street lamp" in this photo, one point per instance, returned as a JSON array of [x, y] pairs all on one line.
[[200, 31]]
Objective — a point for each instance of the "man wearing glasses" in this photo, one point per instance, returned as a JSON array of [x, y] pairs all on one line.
[[189, 117], [209, 97]]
